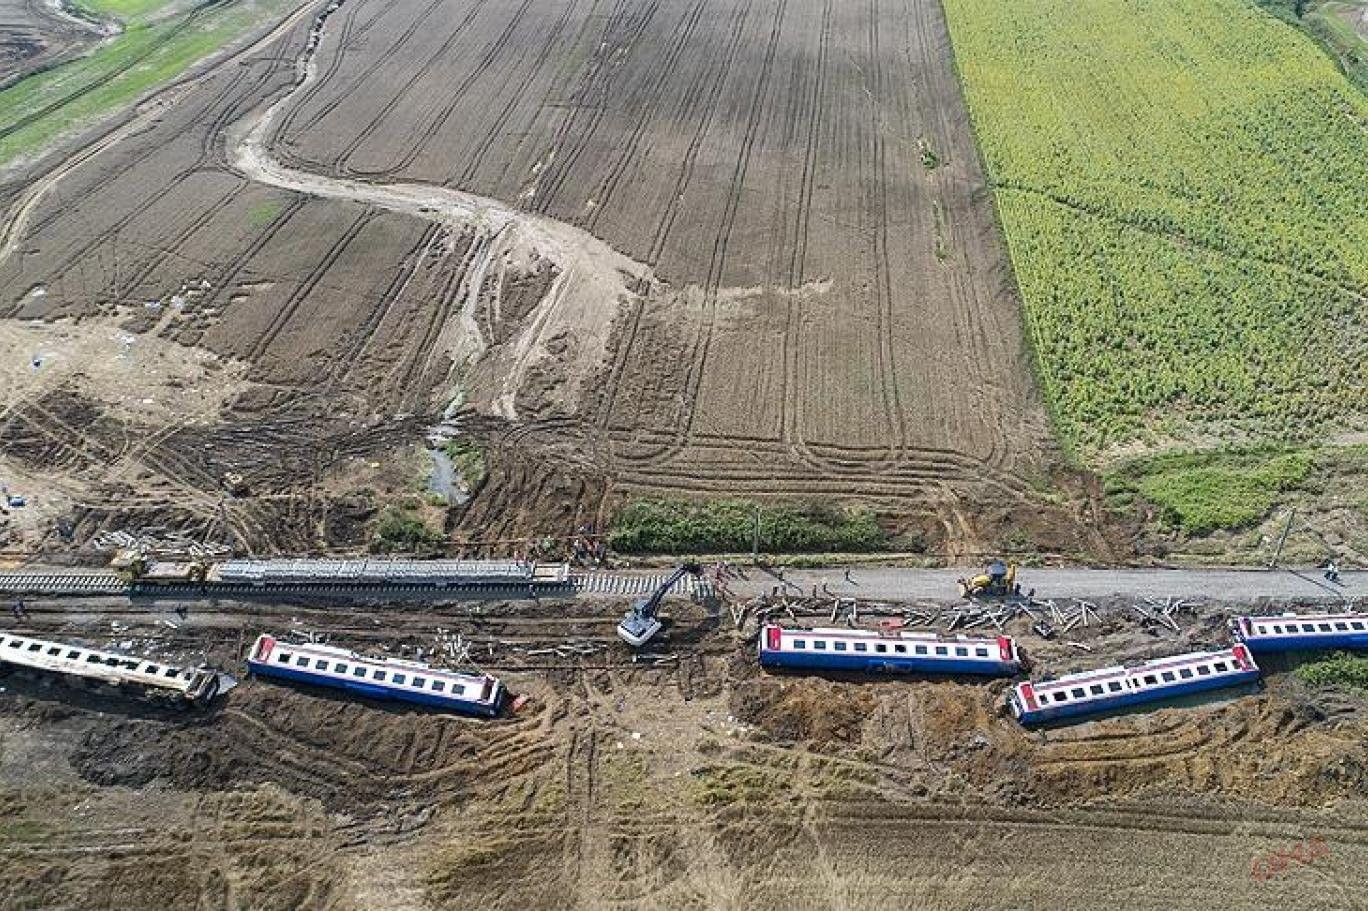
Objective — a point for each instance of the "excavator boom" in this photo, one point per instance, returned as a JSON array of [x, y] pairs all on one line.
[[639, 625]]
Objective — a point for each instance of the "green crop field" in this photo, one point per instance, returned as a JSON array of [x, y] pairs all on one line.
[[1184, 191], [36, 111], [123, 10]]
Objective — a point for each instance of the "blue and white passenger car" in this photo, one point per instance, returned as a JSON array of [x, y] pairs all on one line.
[[1293, 632], [1110, 688], [378, 678], [887, 651]]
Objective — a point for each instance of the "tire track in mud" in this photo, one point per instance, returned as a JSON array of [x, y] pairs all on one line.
[[562, 165], [472, 168], [340, 165], [792, 418], [345, 366], [601, 275], [61, 272], [708, 104], [425, 135], [236, 265], [305, 287], [354, 82], [888, 384], [655, 93], [717, 262], [412, 372]]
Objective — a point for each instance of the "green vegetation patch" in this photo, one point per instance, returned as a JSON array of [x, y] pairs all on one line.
[[36, 111], [1202, 492], [1341, 669], [402, 530], [264, 213], [468, 458], [726, 526], [123, 10], [1184, 192]]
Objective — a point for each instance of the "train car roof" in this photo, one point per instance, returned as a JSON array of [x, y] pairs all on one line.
[[890, 634], [348, 655], [1153, 664]]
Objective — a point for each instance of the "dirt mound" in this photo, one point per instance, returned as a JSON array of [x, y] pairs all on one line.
[[350, 755], [791, 709]]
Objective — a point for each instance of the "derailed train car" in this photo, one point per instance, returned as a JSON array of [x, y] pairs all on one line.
[[128, 673], [887, 651], [377, 678], [1301, 632], [1111, 688]]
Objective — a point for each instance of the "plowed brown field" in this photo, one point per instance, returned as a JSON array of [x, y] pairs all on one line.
[[690, 248]]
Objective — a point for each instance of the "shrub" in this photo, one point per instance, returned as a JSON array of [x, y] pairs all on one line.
[[1340, 669], [675, 526], [1206, 491], [400, 530]]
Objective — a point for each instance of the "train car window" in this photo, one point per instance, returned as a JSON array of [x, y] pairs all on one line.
[[819, 644], [73, 654], [799, 643], [340, 667], [302, 661], [1114, 686], [942, 650], [1077, 692], [1151, 680], [961, 651], [1263, 631], [880, 647], [170, 672], [919, 649], [438, 686], [458, 689], [1356, 625], [283, 657], [900, 649], [1219, 667], [321, 664], [398, 679], [861, 647], [92, 659], [1168, 676], [1095, 689], [1308, 627], [1185, 673], [418, 682], [1325, 627], [1203, 671], [1342, 627], [14, 643], [34, 647], [981, 652], [840, 646], [54, 651], [1044, 698], [359, 672]]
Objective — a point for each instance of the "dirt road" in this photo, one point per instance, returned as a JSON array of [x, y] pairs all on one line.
[[893, 584]]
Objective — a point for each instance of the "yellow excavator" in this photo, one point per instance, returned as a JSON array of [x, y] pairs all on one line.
[[999, 581]]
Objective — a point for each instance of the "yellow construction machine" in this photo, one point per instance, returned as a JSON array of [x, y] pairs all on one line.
[[999, 581]]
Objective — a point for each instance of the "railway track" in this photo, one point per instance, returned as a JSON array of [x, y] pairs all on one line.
[[102, 582]]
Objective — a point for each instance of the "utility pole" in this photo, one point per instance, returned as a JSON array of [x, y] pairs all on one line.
[[1282, 539]]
